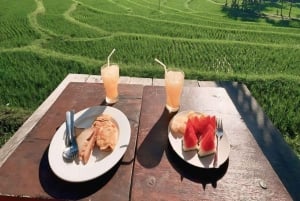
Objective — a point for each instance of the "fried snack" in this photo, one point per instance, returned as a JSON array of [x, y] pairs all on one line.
[[85, 141], [103, 132], [106, 132], [178, 124]]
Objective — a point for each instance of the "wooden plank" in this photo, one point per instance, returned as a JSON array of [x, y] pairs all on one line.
[[208, 84], [191, 83], [142, 81], [94, 79], [158, 82], [32, 153], [279, 154], [124, 80], [162, 175]]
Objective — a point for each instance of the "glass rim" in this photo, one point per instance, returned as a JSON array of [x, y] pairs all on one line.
[[105, 65], [174, 69]]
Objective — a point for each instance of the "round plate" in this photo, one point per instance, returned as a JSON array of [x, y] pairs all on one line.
[[99, 162], [192, 157]]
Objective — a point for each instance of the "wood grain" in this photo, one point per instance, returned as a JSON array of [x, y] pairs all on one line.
[[27, 172], [161, 175]]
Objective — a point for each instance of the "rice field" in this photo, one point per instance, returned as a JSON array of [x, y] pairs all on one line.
[[41, 41]]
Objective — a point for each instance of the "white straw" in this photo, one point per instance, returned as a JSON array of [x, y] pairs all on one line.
[[110, 56], [161, 63]]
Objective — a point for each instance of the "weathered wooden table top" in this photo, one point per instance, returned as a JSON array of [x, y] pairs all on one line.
[[150, 169], [159, 174], [27, 171]]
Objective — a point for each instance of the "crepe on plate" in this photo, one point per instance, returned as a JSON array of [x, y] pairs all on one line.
[[103, 133]]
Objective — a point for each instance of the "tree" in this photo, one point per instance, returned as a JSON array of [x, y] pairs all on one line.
[[281, 8], [291, 5], [235, 3], [158, 4]]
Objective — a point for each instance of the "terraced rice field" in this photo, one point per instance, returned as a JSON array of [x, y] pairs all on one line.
[[41, 41]]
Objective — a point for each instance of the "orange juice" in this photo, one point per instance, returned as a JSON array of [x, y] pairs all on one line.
[[174, 80], [110, 77]]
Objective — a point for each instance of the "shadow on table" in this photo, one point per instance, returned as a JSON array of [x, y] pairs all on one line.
[[280, 155], [150, 153], [60, 189], [203, 176]]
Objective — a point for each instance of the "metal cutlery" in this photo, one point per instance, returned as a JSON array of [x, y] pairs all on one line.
[[219, 134], [67, 136], [71, 150]]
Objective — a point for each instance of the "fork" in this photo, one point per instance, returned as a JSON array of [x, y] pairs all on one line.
[[219, 134]]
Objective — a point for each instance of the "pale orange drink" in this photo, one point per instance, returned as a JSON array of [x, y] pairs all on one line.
[[110, 77], [174, 80]]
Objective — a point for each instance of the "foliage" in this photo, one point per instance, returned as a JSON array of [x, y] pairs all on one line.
[[282, 8], [15, 29], [280, 100], [28, 82], [10, 120]]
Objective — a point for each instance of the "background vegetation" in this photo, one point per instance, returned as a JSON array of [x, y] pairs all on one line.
[[254, 42]]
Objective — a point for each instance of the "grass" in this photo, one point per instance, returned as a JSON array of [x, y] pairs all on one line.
[[41, 41], [10, 121], [286, 103]]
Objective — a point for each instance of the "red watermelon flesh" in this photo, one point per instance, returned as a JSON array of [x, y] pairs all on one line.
[[190, 139], [200, 134], [207, 144], [200, 124], [208, 140], [213, 122]]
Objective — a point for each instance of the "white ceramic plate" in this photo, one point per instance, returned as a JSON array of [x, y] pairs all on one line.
[[192, 157], [99, 162]]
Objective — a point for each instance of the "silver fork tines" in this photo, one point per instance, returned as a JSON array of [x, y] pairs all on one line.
[[220, 128], [219, 134]]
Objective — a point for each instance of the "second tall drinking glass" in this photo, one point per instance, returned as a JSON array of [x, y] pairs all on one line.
[[174, 81], [110, 76]]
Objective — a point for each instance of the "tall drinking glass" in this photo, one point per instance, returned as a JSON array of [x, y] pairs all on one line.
[[174, 81], [110, 76]]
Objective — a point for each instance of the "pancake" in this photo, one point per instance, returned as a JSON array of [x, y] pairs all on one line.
[[106, 132], [103, 133], [85, 141]]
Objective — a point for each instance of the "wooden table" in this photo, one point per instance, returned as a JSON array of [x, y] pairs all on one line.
[[159, 174], [27, 171], [150, 169]]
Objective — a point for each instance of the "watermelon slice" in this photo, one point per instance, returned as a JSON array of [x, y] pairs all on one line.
[[207, 143], [200, 134], [200, 123], [213, 122], [190, 139]]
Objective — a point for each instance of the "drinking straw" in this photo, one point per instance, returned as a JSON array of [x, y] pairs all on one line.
[[161, 63], [110, 56]]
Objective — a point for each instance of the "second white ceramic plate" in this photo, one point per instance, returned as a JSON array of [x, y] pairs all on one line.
[[192, 157], [99, 162]]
